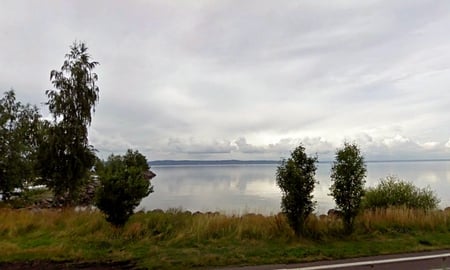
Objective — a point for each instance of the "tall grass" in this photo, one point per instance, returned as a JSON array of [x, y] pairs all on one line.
[[404, 219], [180, 238], [177, 225], [49, 234]]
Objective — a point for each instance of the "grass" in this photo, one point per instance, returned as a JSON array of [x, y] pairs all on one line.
[[178, 240]]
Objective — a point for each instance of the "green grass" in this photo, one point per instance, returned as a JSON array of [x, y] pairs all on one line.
[[180, 240]]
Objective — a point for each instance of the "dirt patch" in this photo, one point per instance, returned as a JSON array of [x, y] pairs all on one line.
[[49, 265]]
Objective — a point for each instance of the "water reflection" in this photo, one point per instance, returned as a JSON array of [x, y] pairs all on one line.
[[232, 189], [252, 188]]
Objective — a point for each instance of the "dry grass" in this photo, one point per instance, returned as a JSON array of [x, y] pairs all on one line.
[[404, 220], [178, 225], [178, 239]]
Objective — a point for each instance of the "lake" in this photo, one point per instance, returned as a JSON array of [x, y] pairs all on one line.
[[238, 189]]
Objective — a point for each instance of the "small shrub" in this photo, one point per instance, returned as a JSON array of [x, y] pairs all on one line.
[[394, 192], [123, 184]]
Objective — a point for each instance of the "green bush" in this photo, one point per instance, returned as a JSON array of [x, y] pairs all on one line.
[[296, 179], [394, 192], [347, 177], [124, 181]]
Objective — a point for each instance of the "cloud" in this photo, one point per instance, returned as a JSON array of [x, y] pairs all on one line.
[[447, 144], [218, 80], [194, 147], [111, 144], [396, 141], [430, 145], [247, 148]]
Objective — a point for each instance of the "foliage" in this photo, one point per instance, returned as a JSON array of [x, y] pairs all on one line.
[[394, 192], [347, 174], [64, 167], [295, 177], [77, 92], [19, 125], [124, 182], [65, 157]]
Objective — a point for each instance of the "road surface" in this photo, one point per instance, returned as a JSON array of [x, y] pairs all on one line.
[[433, 260]]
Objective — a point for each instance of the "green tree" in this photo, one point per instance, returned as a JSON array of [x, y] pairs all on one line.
[[295, 177], [19, 126], [347, 176], [124, 181], [65, 157]]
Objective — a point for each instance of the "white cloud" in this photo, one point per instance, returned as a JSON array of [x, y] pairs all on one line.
[[220, 80], [395, 141], [430, 145], [247, 148], [194, 147]]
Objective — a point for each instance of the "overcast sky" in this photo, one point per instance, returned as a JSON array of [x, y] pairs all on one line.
[[245, 79]]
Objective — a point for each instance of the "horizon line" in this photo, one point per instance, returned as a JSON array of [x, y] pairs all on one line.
[[272, 161]]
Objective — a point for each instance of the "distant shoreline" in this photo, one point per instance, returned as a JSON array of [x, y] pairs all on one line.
[[211, 162], [264, 162]]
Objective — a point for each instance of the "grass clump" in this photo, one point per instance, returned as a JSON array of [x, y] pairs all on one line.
[[394, 192]]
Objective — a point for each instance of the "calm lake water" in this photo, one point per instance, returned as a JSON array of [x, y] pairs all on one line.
[[237, 189]]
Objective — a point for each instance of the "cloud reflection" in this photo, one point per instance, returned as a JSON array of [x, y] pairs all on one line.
[[252, 188]]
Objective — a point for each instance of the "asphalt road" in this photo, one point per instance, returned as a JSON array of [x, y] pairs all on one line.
[[410, 261]]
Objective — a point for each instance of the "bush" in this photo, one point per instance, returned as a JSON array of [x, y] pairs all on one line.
[[347, 174], [295, 177], [124, 181], [394, 192]]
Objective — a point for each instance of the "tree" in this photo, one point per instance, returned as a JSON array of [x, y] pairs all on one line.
[[124, 181], [295, 177], [66, 157], [19, 126], [347, 174]]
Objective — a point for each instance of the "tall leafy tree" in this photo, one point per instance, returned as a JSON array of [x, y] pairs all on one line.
[[19, 126], [66, 156], [296, 179], [124, 181], [347, 176]]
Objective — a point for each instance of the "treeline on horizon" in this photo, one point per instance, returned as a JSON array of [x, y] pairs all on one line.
[[211, 162], [170, 162]]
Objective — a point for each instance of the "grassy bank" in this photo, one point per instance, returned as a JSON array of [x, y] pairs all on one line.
[[180, 240]]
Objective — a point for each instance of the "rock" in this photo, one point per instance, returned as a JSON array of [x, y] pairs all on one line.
[[333, 213], [149, 175]]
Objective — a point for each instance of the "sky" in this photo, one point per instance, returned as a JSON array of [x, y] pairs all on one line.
[[245, 79]]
